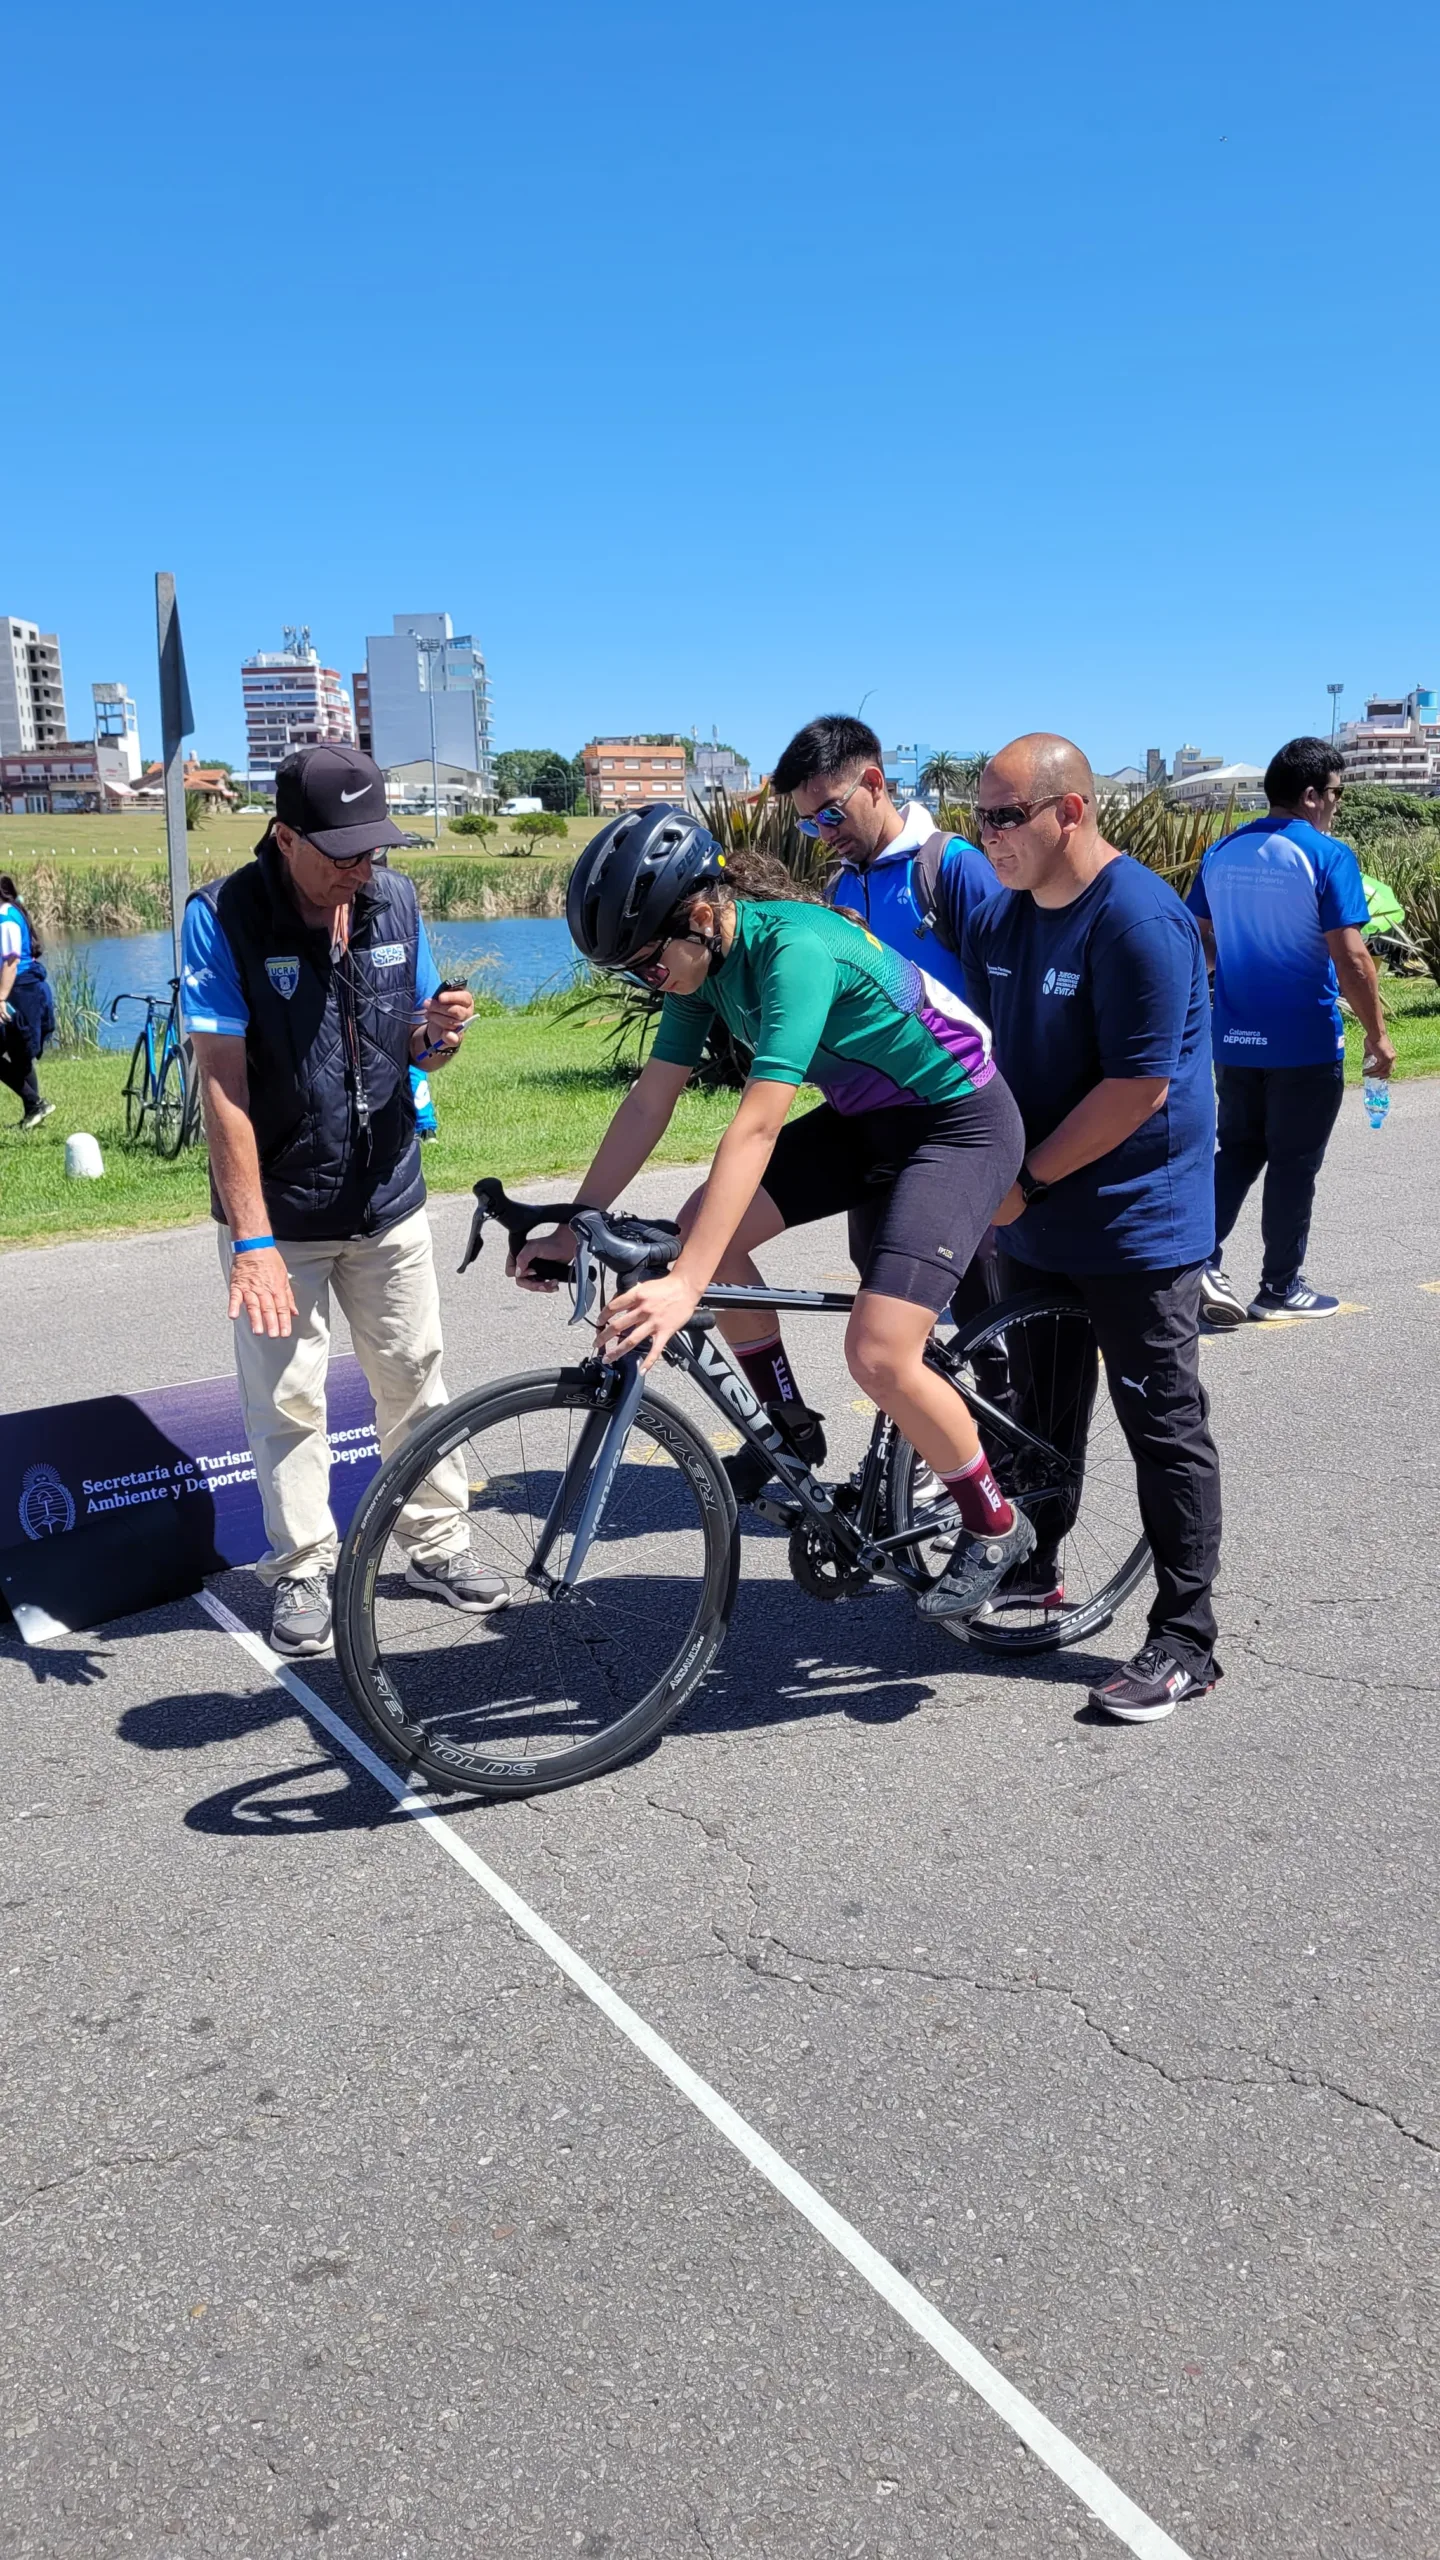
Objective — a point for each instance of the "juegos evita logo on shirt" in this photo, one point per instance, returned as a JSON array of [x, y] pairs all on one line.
[[1060, 982]]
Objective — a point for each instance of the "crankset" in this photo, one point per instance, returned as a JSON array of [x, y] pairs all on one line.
[[818, 1564]]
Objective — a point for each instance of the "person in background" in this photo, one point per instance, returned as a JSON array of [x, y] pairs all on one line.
[[894, 872], [1093, 979], [27, 1012], [308, 991], [1281, 911]]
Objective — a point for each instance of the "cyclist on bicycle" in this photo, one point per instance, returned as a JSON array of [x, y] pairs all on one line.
[[915, 1119]]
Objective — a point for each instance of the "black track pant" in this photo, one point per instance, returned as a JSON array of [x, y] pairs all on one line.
[[1276, 1121], [1147, 1327], [17, 1061]]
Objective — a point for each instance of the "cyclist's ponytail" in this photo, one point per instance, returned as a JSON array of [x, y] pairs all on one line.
[[749, 873]]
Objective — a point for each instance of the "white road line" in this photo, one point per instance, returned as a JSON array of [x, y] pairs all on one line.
[[1092, 2486]]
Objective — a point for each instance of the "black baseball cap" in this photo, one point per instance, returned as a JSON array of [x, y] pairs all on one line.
[[336, 797]]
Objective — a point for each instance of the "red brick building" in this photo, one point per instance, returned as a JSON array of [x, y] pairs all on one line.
[[621, 772]]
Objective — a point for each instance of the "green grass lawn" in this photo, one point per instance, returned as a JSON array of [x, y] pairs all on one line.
[[229, 840], [529, 1094]]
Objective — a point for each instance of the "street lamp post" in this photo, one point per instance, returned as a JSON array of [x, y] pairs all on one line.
[[1334, 691], [429, 647]]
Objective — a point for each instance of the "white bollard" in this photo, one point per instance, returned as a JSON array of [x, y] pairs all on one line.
[[83, 1160]]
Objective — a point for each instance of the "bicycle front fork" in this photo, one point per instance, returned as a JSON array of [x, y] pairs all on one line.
[[595, 1465]]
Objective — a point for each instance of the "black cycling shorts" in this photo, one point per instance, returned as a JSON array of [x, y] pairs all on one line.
[[927, 1178]]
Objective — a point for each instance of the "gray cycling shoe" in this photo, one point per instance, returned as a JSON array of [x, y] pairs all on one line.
[[975, 1567], [300, 1620], [458, 1580]]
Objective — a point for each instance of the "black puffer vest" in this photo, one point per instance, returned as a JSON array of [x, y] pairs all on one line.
[[327, 1050]]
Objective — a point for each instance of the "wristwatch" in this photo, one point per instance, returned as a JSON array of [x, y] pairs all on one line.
[[1032, 1185]]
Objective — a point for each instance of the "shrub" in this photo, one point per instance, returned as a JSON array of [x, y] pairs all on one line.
[[473, 825], [534, 823], [76, 996]]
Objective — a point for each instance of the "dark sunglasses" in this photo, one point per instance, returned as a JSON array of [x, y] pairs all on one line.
[[1016, 813], [826, 820]]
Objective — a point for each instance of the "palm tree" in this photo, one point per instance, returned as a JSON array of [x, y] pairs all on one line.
[[946, 775]]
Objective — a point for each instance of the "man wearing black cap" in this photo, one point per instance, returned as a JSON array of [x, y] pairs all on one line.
[[308, 991]]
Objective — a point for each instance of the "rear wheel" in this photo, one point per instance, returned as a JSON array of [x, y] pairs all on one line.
[[137, 1090], [560, 1684], [1056, 1447], [172, 1104]]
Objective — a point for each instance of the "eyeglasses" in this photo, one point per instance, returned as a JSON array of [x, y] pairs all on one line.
[[1010, 814], [347, 861], [826, 820]]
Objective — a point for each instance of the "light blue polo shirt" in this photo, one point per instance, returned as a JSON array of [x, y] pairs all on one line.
[[211, 997], [1272, 891]]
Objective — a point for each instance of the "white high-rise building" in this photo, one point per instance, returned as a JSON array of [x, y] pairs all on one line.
[[32, 689], [423, 664], [117, 733], [1397, 744], [291, 701]]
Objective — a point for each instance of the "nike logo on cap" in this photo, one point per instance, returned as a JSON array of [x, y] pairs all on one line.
[[347, 796]]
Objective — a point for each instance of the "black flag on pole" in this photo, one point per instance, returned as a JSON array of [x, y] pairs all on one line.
[[177, 719]]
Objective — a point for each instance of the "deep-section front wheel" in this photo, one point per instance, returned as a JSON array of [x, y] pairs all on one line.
[[1056, 1447], [558, 1683], [172, 1103], [137, 1089]]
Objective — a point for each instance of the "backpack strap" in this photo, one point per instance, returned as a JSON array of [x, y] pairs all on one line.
[[925, 871]]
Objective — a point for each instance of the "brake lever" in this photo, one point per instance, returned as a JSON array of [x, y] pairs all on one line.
[[586, 1274], [477, 1236]]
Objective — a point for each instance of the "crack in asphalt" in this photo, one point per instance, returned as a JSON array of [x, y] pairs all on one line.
[[1000, 1986], [131, 2160], [1311, 1671]]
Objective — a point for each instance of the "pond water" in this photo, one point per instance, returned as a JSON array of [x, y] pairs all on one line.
[[519, 956]]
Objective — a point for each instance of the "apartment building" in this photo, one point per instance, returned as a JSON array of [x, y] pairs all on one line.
[[117, 732], [291, 701], [360, 695], [32, 689], [620, 772], [1397, 743], [427, 692]]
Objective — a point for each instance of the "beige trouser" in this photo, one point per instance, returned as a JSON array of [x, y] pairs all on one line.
[[386, 1289]]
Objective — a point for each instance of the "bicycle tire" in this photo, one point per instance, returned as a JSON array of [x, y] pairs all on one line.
[[172, 1103], [137, 1091], [1107, 1563], [390, 1669]]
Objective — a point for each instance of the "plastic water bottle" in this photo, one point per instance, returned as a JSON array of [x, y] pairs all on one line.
[[1377, 1100]]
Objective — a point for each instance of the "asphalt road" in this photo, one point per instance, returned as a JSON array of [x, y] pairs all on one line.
[[335, 2218]]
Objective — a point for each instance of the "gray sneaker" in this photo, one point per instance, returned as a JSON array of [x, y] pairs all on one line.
[[458, 1580], [38, 1111], [1220, 1308], [300, 1622], [976, 1566]]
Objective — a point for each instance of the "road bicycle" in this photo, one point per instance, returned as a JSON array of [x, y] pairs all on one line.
[[609, 1514], [162, 1086]]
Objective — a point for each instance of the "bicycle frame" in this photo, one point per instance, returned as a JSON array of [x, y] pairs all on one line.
[[601, 1445]]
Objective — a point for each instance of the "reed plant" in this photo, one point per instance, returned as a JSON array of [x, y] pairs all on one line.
[[75, 993]]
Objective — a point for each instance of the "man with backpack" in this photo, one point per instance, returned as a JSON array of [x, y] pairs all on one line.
[[907, 881]]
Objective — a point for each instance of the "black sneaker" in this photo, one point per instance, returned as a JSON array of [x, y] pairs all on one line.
[[300, 1621], [37, 1112], [1220, 1307], [1298, 1300], [1151, 1686], [749, 1470], [976, 1565]]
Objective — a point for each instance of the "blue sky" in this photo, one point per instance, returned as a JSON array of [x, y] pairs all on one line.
[[1023, 367]]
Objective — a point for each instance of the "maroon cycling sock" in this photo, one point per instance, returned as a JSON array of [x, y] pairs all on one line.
[[767, 1370], [978, 1498]]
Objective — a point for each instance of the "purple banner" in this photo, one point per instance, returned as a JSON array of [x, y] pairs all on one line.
[[120, 1502]]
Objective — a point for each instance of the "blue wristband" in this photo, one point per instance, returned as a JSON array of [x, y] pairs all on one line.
[[252, 1244]]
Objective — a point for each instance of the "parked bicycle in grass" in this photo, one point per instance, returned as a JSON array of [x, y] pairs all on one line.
[[161, 1088]]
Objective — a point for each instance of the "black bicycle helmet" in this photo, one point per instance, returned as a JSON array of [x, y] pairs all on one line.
[[631, 878]]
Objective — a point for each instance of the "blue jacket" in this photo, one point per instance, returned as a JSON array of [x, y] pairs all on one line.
[[327, 1050], [885, 895]]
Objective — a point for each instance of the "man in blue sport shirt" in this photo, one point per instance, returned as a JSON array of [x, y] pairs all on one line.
[[1281, 909], [1093, 978], [308, 989], [893, 873]]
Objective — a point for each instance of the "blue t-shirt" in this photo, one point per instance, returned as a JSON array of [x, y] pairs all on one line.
[[885, 896], [1112, 985], [210, 992], [1272, 892], [15, 943]]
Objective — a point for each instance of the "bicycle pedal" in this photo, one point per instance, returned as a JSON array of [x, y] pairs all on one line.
[[780, 1514]]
